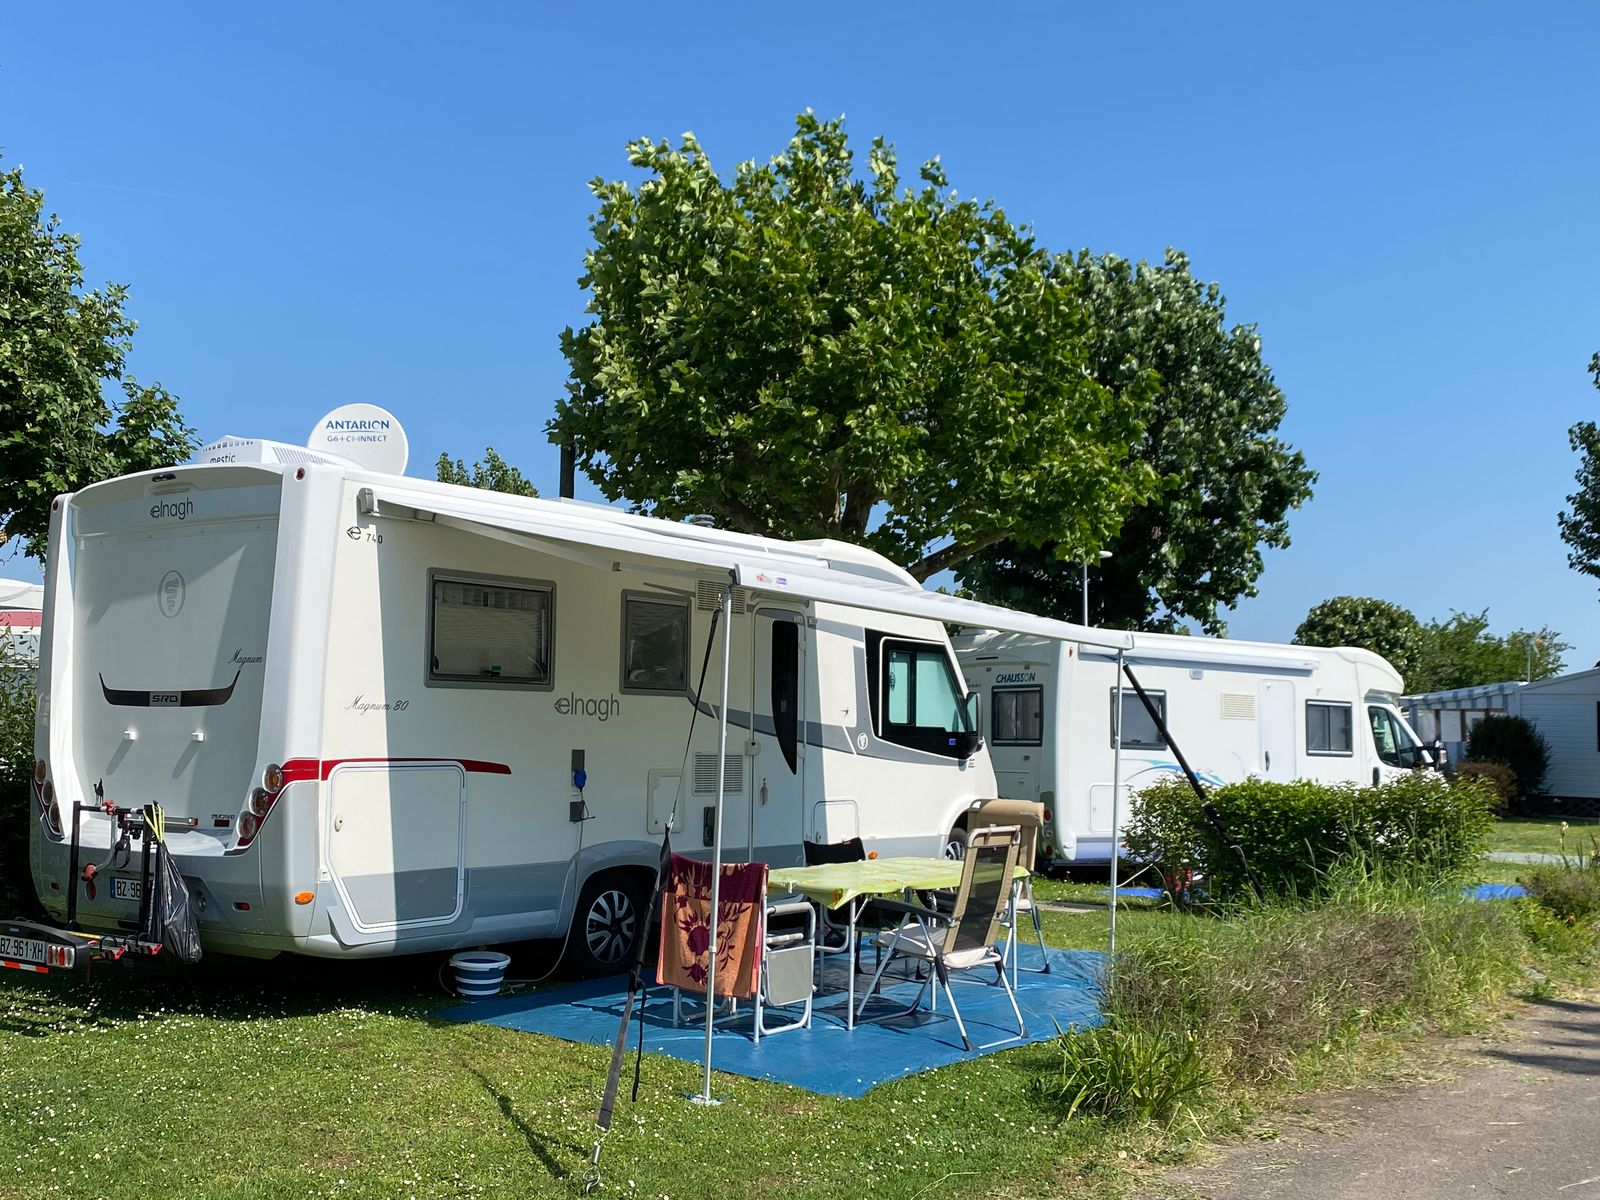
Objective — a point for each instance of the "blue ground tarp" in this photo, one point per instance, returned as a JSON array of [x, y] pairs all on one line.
[[826, 1058]]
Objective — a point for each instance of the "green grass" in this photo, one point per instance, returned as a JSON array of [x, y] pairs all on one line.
[[1543, 835], [299, 1078]]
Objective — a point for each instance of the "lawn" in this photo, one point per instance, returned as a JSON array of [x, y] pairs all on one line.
[[297, 1078], [1543, 835]]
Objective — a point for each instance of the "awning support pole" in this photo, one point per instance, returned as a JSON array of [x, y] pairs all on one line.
[[716, 848], [1116, 805]]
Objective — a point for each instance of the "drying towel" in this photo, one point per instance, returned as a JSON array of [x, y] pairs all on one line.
[[686, 932]]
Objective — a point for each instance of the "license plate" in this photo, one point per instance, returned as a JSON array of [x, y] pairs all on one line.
[[127, 889], [22, 949]]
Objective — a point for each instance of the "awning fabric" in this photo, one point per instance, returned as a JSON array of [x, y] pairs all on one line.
[[600, 535]]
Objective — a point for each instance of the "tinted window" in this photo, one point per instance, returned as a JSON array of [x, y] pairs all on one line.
[[1017, 716], [490, 632], [1139, 732], [1391, 739], [655, 644], [1328, 728], [916, 696]]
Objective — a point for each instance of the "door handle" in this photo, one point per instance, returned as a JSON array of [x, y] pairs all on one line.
[[1267, 755], [1376, 777]]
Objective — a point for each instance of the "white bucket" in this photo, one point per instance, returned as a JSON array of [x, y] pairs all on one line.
[[479, 973]]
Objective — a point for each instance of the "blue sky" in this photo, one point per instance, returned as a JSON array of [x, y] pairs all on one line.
[[316, 204]]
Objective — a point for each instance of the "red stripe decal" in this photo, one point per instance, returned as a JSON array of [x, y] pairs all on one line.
[[297, 770], [16, 966]]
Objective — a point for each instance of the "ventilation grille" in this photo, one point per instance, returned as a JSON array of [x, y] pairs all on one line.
[[705, 775], [708, 598], [1238, 706]]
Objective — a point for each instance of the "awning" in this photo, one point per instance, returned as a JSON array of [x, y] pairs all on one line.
[[604, 537]]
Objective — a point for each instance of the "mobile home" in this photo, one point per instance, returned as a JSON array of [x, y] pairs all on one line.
[[388, 715], [1237, 709]]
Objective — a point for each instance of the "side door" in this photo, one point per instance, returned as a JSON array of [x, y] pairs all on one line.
[[778, 707], [395, 837], [1277, 726]]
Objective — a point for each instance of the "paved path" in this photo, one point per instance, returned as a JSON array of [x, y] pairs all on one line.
[[1519, 856], [1515, 1117]]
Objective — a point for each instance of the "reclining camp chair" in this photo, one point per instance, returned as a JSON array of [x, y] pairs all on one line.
[[1028, 815], [963, 938], [764, 947]]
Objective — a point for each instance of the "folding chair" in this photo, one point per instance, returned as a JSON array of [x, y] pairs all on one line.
[[764, 945], [1028, 815], [964, 938]]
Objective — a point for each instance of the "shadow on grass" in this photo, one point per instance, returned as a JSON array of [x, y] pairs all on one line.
[[537, 1145], [221, 987]]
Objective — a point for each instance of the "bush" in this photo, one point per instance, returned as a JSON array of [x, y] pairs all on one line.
[[1516, 743], [1126, 1074], [1258, 989], [1295, 834], [1497, 777], [1571, 893], [16, 772]]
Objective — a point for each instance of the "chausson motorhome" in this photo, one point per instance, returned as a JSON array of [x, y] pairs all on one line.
[[1238, 710], [387, 715]]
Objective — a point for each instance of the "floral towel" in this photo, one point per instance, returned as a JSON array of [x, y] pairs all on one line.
[[686, 932]]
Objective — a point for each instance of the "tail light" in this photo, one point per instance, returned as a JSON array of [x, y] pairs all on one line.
[[58, 956], [261, 801], [1048, 816]]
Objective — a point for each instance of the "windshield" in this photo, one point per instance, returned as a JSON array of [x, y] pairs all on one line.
[[1392, 739], [917, 698]]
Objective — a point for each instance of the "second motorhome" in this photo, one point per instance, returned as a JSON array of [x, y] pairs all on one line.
[[1239, 710], [386, 715]]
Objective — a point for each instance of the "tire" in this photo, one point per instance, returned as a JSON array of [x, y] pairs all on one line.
[[955, 844], [606, 926]]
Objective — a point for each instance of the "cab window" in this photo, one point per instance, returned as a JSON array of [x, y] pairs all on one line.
[[1391, 739], [916, 696]]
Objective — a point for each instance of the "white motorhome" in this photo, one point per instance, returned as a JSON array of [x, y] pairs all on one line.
[[387, 715], [1237, 709]]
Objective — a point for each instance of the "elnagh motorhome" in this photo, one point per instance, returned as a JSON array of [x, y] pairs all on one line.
[[391, 715], [1238, 709]]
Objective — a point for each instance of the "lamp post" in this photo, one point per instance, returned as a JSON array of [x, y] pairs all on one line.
[[1104, 554]]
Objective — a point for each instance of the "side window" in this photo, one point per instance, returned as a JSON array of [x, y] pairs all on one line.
[[489, 632], [655, 643], [1139, 732], [786, 690], [1017, 716], [1328, 728], [916, 697]]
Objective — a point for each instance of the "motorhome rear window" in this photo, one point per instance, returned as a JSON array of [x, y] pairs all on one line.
[[1329, 728], [1139, 732], [1017, 716], [490, 633], [655, 643]]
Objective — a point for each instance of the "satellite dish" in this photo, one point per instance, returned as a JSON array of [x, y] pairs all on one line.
[[364, 434]]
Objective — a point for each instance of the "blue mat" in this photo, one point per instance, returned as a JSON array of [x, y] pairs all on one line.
[[826, 1058], [1496, 891]]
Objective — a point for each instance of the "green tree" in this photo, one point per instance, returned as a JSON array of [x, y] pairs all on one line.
[[492, 473], [1375, 625], [1461, 652], [62, 348], [1210, 434], [804, 353], [1580, 526]]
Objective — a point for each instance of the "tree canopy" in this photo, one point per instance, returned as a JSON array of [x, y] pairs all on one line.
[[1461, 652], [1439, 655], [1210, 422], [804, 353], [1372, 624], [491, 472], [1580, 526], [60, 348]]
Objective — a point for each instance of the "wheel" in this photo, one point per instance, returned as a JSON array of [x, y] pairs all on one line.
[[606, 926], [955, 844]]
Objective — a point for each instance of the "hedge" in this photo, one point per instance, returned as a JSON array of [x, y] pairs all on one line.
[[1294, 833]]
